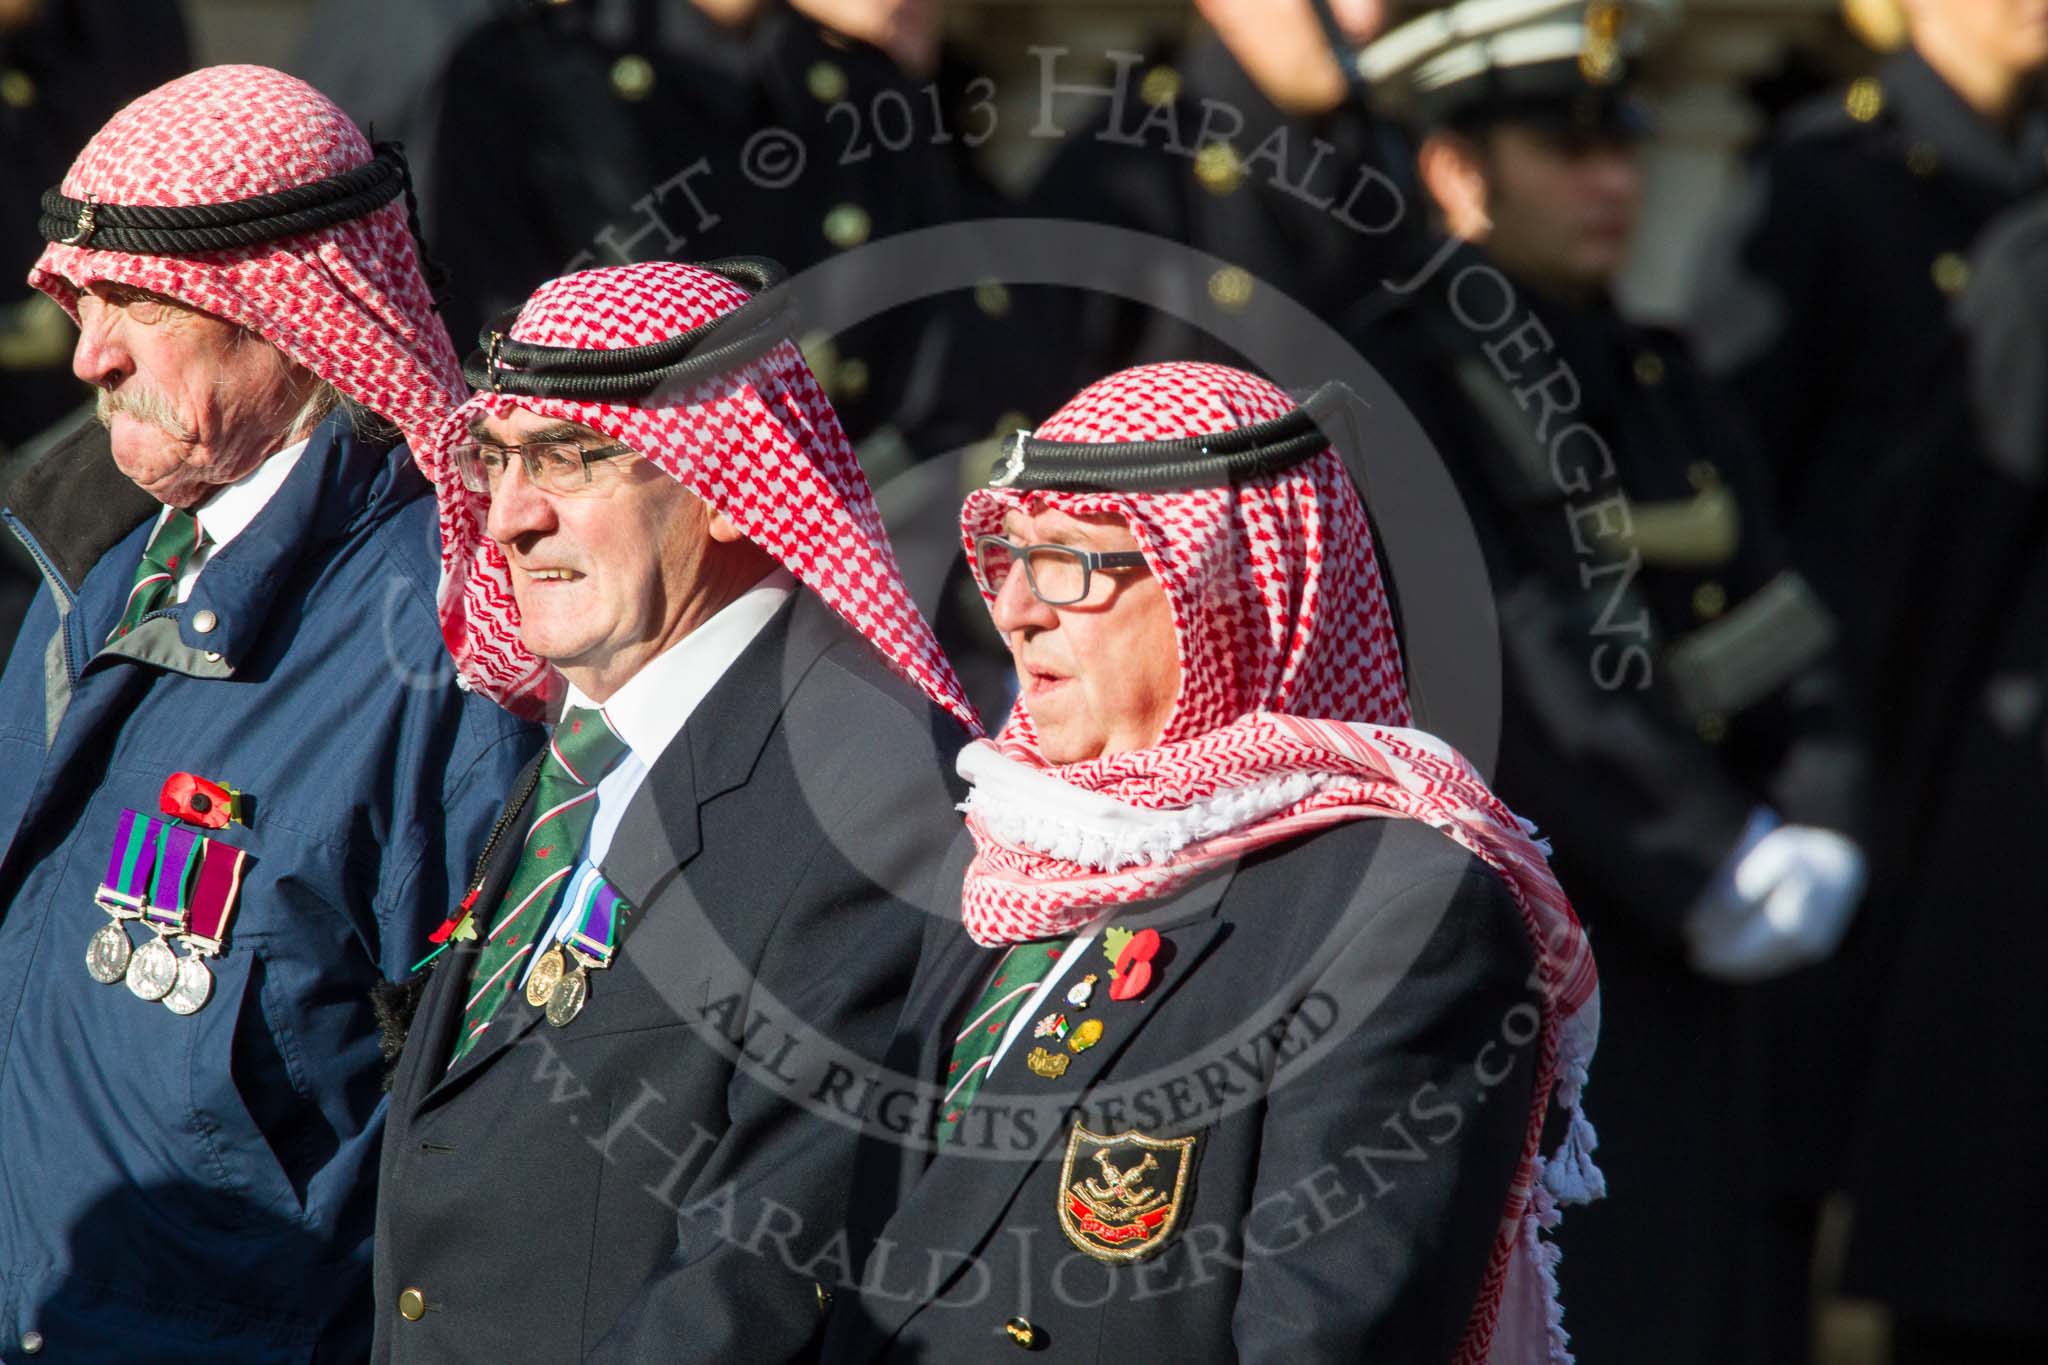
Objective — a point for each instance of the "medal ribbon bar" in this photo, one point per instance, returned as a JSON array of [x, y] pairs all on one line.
[[176, 862], [595, 926], [215, 896], [130, 865]]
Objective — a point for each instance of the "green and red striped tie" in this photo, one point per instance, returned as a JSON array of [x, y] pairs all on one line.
[[583, 750], [156, 577], [974, 1048]]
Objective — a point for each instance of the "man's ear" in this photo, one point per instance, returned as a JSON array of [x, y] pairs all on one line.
[[1451, 167]]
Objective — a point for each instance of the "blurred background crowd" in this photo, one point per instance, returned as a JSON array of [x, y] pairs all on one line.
[[1790, 266]]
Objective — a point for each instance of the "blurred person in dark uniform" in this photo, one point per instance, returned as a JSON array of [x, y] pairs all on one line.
[[1823, 300], [65, 67], [382, 60], [597, 132], [1950, 1190], [1824, 303], [1671, 717], [1253, 142]]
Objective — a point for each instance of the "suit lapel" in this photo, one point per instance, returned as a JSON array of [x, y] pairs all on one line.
[[957, 1204]]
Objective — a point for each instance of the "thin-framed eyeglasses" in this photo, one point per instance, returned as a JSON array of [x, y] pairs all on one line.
[[559, 467], [1058, 575]]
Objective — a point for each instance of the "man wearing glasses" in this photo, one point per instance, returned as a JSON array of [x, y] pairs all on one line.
[[1243, 1041], [611, 1130]]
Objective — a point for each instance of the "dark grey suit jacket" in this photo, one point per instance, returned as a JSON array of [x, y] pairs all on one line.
[[647, 1182], [1338, 1053]]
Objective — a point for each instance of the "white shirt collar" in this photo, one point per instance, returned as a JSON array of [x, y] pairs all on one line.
[[229, 510], [652, 705]]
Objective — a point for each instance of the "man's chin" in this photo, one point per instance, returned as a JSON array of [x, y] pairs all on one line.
[[153, 468]]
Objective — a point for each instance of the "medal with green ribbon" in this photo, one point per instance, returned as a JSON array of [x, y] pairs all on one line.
[[122, 895], [591, 939], [153, 970]]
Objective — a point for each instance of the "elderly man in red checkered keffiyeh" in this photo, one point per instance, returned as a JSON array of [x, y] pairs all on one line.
[[1210, 680]]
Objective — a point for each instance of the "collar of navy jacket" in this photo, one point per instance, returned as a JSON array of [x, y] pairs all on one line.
[[78, 508], [949, 1201], [659, 833]]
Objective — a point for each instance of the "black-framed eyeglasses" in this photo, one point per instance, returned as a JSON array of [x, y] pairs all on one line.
[[1058, 575], [560, 467]]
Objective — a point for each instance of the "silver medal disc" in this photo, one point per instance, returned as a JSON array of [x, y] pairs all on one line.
[[106, 956], [153, 970], [566, 1001], [192, 988]]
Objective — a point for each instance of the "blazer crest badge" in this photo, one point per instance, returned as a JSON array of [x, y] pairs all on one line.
[[1121, 1196]]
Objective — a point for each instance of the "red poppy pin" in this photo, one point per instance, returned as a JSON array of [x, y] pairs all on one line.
[[1132, 954], [196, 801]]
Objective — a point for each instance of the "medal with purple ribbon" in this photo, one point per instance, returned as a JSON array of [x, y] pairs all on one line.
[[592, 937], [123, 895], [153, 970]]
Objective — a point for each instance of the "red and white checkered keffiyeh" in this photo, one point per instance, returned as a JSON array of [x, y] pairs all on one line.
[[1291, 718], [759, 443], [348, 302]]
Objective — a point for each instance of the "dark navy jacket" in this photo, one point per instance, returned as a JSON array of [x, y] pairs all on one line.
[[201, 1188]]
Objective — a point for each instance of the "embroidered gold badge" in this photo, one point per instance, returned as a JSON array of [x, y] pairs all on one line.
[[1121, 1196]]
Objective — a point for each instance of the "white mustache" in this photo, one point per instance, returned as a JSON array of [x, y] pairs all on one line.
[[145, 406]]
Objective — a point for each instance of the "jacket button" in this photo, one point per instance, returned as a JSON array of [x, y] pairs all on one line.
[[204, 622], [412, 1305], [31, 1343], [824, 1297], [1024, 1334]]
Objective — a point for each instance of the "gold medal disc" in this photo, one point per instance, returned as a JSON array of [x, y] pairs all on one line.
[[546, 974], [566, 1001]]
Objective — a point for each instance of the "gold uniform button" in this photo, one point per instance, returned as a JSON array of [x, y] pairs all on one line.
[[1865, 100], [1024, 1334], [852, 379], [632, 77], [1649, 369], [824, 1297], [204, 622], [1160, 87], [412, 1305], [1712, 727], [992, 298], [1231, 288], [826, 82], [847, 226], [1951, 273], [1922, 159], [1709, 600], [17, 89], [1218, 168], [31, 1343]]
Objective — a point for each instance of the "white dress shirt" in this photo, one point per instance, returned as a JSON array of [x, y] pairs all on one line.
[[227, 512], [648, 711]]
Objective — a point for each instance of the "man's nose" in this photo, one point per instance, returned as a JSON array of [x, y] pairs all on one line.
[[100, 358], [517, 507], [1017, 607]]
